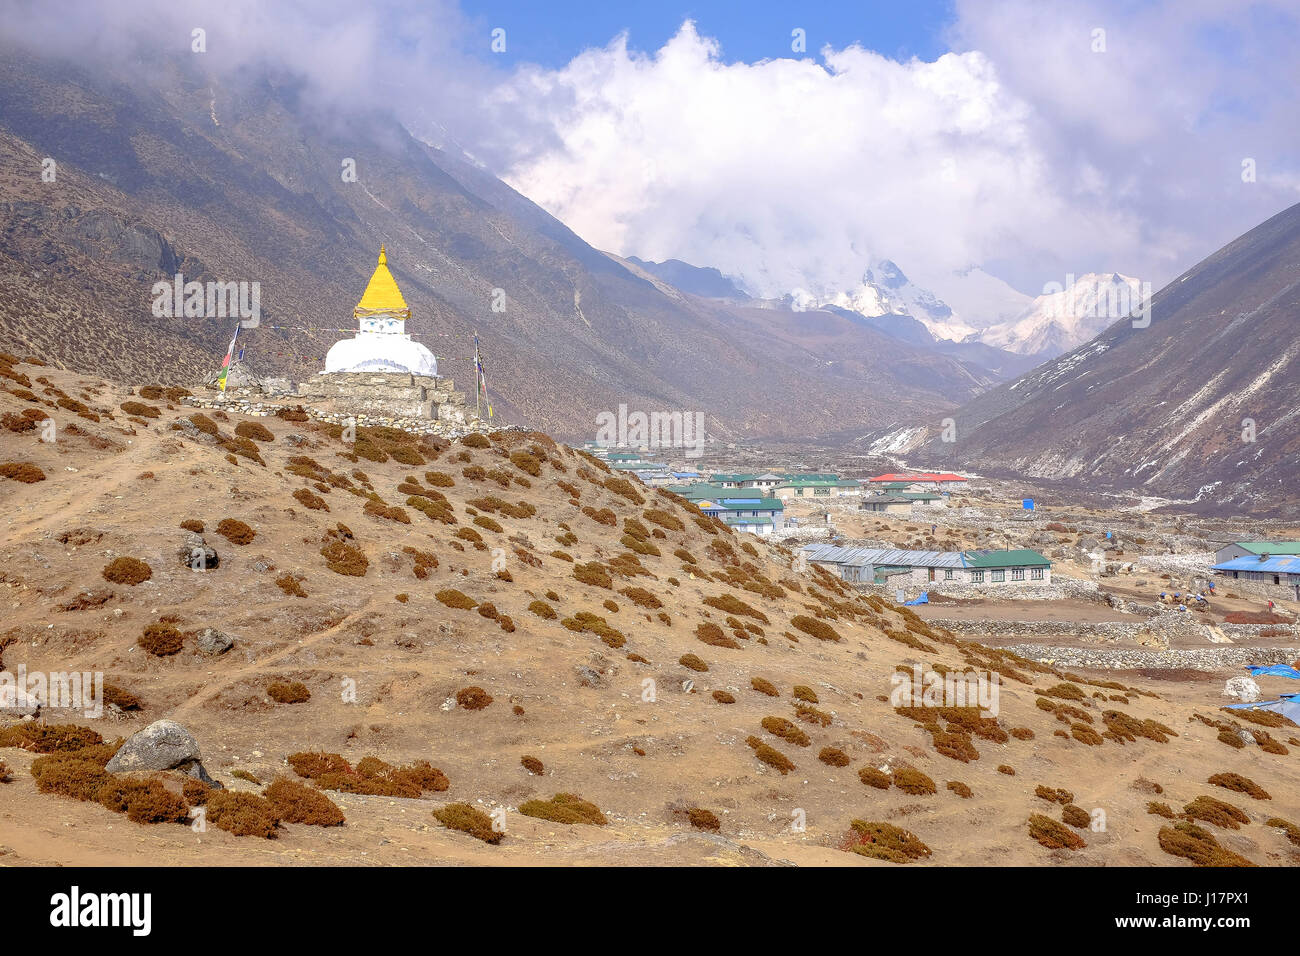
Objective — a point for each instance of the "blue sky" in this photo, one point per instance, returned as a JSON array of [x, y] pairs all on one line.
[[551, 34]]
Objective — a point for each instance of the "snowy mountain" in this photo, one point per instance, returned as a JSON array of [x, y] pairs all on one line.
[[1058, 321], [886, 291], [975, 307]]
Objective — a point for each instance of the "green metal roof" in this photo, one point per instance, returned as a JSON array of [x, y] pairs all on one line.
[[1020, 557], [699, 491], [919, 495], [1270, 547], [746, 520]]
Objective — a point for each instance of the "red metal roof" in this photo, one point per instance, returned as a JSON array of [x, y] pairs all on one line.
[[919, 476]]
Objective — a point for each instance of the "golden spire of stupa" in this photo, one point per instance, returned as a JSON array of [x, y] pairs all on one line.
[[382, 294]]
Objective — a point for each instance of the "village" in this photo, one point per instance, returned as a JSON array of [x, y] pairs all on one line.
[[1070, 582]]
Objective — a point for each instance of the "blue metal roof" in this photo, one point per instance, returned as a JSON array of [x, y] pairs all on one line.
[[1279, 564]]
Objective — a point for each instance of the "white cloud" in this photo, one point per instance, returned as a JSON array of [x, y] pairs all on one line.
[[1027, 152]]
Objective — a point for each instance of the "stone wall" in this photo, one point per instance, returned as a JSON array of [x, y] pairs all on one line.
[[1058, 589], [387, 395]]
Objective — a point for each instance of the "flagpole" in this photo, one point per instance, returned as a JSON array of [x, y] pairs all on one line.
[[478, 377]]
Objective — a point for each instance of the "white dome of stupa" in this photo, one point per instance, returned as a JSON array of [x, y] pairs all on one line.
[[381, 343]]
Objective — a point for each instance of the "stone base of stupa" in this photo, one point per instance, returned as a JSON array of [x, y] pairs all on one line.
[[387, 395]]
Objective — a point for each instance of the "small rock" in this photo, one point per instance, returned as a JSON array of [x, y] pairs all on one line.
[[1242, 688], [195, 553]]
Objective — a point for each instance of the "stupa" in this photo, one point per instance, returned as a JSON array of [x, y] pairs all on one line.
[[381, 343], [380, 373]]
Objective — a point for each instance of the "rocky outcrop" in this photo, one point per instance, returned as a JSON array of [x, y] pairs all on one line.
[[163, 745]]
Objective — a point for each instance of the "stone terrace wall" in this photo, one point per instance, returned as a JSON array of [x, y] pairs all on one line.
[[387, 395]]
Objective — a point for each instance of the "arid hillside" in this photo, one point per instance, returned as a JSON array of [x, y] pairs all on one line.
[[423, 633]]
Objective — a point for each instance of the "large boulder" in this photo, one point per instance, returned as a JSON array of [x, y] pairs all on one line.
[[163, 745], [213, 642], [1242, 688]]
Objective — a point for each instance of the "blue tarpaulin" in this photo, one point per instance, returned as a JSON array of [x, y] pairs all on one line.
[[1028, 504], [1273, 670], [1286, 705], [924, 598]]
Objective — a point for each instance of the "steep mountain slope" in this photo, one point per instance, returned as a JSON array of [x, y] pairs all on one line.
[[241, 180], [1202, 404], [531, 624]]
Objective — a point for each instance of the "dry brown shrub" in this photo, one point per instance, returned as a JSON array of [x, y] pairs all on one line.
[[764, 686], [288, 692], [543, 610], [236, 531], [593, 574], [533, 765], [884, 841], [468, 819], [1217, 812], [456, 599], [709, 633], [1190, 842], [959, 788], [342, 558], [140, 409], [1053, 835], [770, 755], [124, 570], [24, 472], [308, 499], [780, 727], [243, 814], [703, 819], [730, 604], [290, 585], [254, 430], [873, 777], [816, 627], [143, 801], [1239, 784], [294, 802], [1075, 816], [564, 808], [804, 692], [692, 662], [161, 639], [473, 698], [833, 756], [910, 780]]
